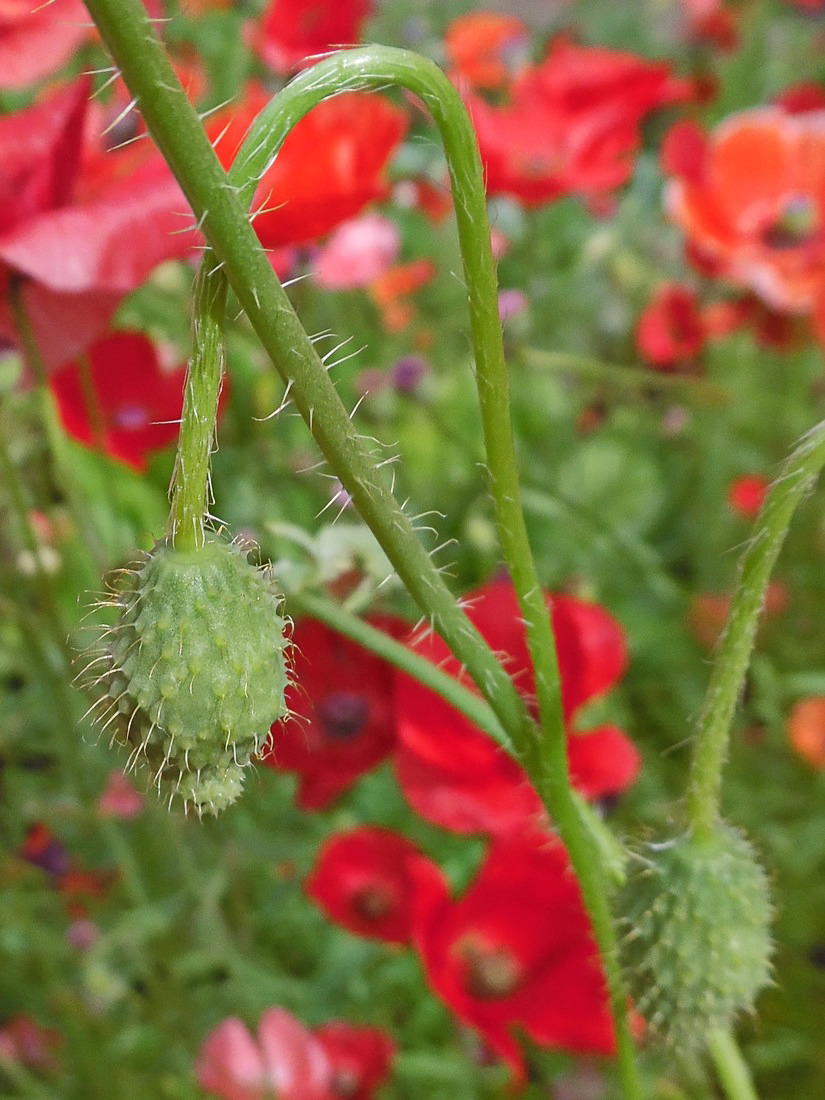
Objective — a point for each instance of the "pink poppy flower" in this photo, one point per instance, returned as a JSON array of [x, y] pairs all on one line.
[[286, 1061]]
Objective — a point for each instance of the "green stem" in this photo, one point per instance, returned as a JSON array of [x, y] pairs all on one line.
[[216, 203], [624, 378], [731, 1068], [797, 478], [217, 206], [52, 426], [404, 658], [190, 490]]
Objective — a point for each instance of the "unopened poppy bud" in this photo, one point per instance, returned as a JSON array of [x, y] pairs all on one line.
[[697, 941], [195, 669]]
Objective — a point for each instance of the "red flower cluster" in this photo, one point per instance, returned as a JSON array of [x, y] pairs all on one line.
[[572, 123], [291, 1062], [515, 950]]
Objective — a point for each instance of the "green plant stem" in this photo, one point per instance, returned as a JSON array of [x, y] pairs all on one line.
[[796, 479], [731, 1067], [217, 206], [52, 426], [623, 378], [401, 656], [190, 479]]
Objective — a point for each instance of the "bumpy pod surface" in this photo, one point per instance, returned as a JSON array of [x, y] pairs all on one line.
[[696, 941], [196, 669]]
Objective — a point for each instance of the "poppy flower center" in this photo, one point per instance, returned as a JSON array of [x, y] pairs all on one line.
[[345, 1083], [131, 418], [490, 971], [797, 225], [374, 902], [343, 715]]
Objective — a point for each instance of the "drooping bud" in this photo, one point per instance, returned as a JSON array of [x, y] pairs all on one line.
[[696, 946], [195, 669]]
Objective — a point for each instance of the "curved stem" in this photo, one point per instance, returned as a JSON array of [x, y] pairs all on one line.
[[217, 206], [797, 477], [402, 657], [731, 1068]]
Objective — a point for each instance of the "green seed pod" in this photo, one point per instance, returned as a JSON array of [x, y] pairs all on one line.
[[696, 946], [195, 669]]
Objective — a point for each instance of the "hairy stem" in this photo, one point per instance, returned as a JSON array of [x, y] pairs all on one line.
[[217, 207], [797, 478], [190, 479]]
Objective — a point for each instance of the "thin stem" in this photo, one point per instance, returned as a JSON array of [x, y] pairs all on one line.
[[52, 426], [190, 487], [402, 657], [731, 1068], [797, 478]]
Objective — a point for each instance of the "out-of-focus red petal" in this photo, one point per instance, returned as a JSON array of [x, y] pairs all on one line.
[[603, 761], [38, 39], [292, 31], [360, 1057]]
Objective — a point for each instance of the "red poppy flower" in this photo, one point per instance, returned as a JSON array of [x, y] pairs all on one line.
[[712, 22], [330, 166], [456, 776], [516, 950], [360, 1058], [292, 31], [38, 39], [342, 712], [572, 122], [75, 236], [746, 494], [135, 405], [670, 329], [754, 205], [287, 1061], [486, 48], [361, 881]]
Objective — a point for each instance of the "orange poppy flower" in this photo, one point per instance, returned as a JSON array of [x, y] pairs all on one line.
[[754, 206], [806, 730], [485, 48]]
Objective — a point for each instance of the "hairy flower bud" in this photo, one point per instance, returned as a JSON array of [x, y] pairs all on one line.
[[195, 669], [697, 943]]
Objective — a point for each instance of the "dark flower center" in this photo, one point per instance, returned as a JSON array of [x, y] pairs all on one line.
[[374, 902], [343, 715], [798, 224], [490, 971], [345, 1083]]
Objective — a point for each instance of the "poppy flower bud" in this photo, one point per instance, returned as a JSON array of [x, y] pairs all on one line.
[[195, 669], [697, 941]]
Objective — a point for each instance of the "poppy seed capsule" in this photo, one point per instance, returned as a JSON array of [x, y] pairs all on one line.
[[196, 669], [696, 946]]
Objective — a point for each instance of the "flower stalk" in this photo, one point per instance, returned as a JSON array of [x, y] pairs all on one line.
[[219, 206], [796, 479]]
